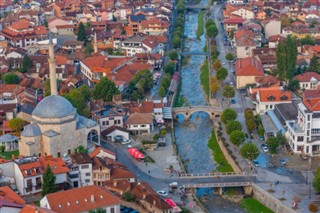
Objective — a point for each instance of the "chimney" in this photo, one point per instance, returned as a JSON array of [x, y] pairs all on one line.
[[144, 196], [95, 45], [52, 68], [115, 183], [154, 202], [92, 198]]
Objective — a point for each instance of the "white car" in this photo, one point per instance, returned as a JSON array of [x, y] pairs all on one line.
[[126, 141], [162, 193], [265, 149]]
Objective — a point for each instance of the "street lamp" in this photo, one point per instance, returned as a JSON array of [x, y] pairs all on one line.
[[309, 182]]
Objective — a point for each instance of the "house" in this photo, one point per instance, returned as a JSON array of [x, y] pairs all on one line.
[[31, 208], [113, 131], [244, 13], [244, 43], [314, 51], [135, 21], [80, 174], [247, 69], [110, 116], [303, 133], [82, 200], [100, 171], [8, 206], [271, 27], [274, 41], [267, 99], [28, 173], [308, 80], [102, 153], [267, 56], [154, 26], [140, 123], [232, 24], [23, 33], [235, 2]]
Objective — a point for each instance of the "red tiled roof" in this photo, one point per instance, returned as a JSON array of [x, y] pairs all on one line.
[[312, 104], [81, 199], [234, 21], [31, 208], [99, 150], [275, 95], [8, 194], [248, 67], [306, 77], [58, 166]]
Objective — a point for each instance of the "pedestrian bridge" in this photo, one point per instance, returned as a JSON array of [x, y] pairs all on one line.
[[195, 7], [213, 112], [194, 53]]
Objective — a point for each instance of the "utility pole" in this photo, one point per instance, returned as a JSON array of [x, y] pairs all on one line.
[[309, 182]]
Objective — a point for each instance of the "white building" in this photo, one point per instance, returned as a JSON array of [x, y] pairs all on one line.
[[140, 123], [303, 134], [80, 170], [266, 99], [308, 80]]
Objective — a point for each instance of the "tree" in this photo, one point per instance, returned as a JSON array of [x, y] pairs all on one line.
[[308, 40], [27, 63], [249, 151], [48, 182], [128, 196], [228, 115], [251, 124], [260, 130], [214, 85], [314, 64], [294, 85], [105, 89], [11, 78], [232, 126], [180, 7], [16, 124], [286, 57], [81, 149], [268, 12], [222, 74], [313, 207], [229, 57], [212, 31], [169, 67], [273, 144], [237, 137], [316, 182], [88, 49], [217, 65], [228, 92], [173, 55], [282, 140], [162, 91], [78, 100], [98, 210], [176, 41], [140, 85], [285, 21], [82, 35], [85, 91]]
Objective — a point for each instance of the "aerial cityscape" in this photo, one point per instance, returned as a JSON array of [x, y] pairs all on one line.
[[160, 106]]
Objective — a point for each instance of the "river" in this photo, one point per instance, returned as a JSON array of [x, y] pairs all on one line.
[[192, 136]]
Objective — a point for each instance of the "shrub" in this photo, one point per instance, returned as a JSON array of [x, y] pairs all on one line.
[[163, 132], [313, 207]]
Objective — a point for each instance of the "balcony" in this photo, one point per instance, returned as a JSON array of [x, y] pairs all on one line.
[[73, 176]]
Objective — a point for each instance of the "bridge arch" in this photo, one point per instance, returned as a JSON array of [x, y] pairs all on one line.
[[188, 112]]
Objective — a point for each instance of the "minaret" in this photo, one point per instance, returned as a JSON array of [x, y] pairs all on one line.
[[95, 44], [52, 68]]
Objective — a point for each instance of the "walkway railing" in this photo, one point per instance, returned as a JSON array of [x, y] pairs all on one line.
[[218, 174], [196, 107], [216, 185]]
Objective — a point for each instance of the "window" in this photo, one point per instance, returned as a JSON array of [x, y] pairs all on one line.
[[103, 123], [300, 138], [88, 174], [87, 180], [271, 98], [85, 167], [69, 151], [58, 154], [143, 125]]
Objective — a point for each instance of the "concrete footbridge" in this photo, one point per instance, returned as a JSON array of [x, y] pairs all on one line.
[[196, 7], [194, 53], [213, 112]]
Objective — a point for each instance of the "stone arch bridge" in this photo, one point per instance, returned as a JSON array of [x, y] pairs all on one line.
[[213, 112]]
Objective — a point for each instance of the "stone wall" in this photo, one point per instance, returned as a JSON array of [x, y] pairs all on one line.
[[269, 201]]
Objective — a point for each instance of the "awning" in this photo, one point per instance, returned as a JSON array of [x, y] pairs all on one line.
[[167, 113], [134, 152], [173, 205]]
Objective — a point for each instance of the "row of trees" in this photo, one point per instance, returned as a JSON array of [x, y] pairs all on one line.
[[140, 85], [211, 29], [179, 25], [250, 120]]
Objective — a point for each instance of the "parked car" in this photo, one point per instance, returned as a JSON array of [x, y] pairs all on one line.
[[264, 145], [283, 162], [232, 101], [261, 138], [162, 193], [231, 84], [265, 149], [256, 163], [118, 138], [126, 141]]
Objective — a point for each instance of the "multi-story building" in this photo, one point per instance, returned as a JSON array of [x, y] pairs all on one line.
[[111, 115], [100, 171], [304, 134], [80, 173]]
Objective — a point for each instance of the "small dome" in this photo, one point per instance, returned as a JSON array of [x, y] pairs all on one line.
[[31, 130], [54, 106]]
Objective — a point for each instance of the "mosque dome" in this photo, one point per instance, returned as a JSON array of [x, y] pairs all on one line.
[[31, 130], [54, 106]]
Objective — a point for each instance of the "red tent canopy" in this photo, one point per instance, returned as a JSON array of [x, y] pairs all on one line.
[[170, 202], [134, 152]]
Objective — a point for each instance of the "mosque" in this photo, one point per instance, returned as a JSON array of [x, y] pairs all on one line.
[[56, 129]]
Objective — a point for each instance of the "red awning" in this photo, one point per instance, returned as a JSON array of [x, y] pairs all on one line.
[[134, 152], [170, 202]]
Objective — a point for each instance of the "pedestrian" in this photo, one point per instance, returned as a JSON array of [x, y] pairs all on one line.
[[148, 171]]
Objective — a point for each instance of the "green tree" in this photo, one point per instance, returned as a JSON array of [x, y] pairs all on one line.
[[229, 57], [251, 124], [260, 130], [314, 64], [268, 12], [140, 85], [85, 91], [16, 124], [27, 63], [162, 91], [98, 210], [249, 151], [81, 149], [88, 49], [308, 40], [176, 41], [286, 57], [273, 144], [169, 68], [88, 25], [282, 140], [222, 74], [237, 137], [209, 23], [228, 92], [212, 31], [78, 100], [82, 35], [128, 196], [232, 126], [285, 21], [180, 7], [105, 89], [48, 183], [316, 182], [294, 85], [173, 55], [11, 78], [228, 115]]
